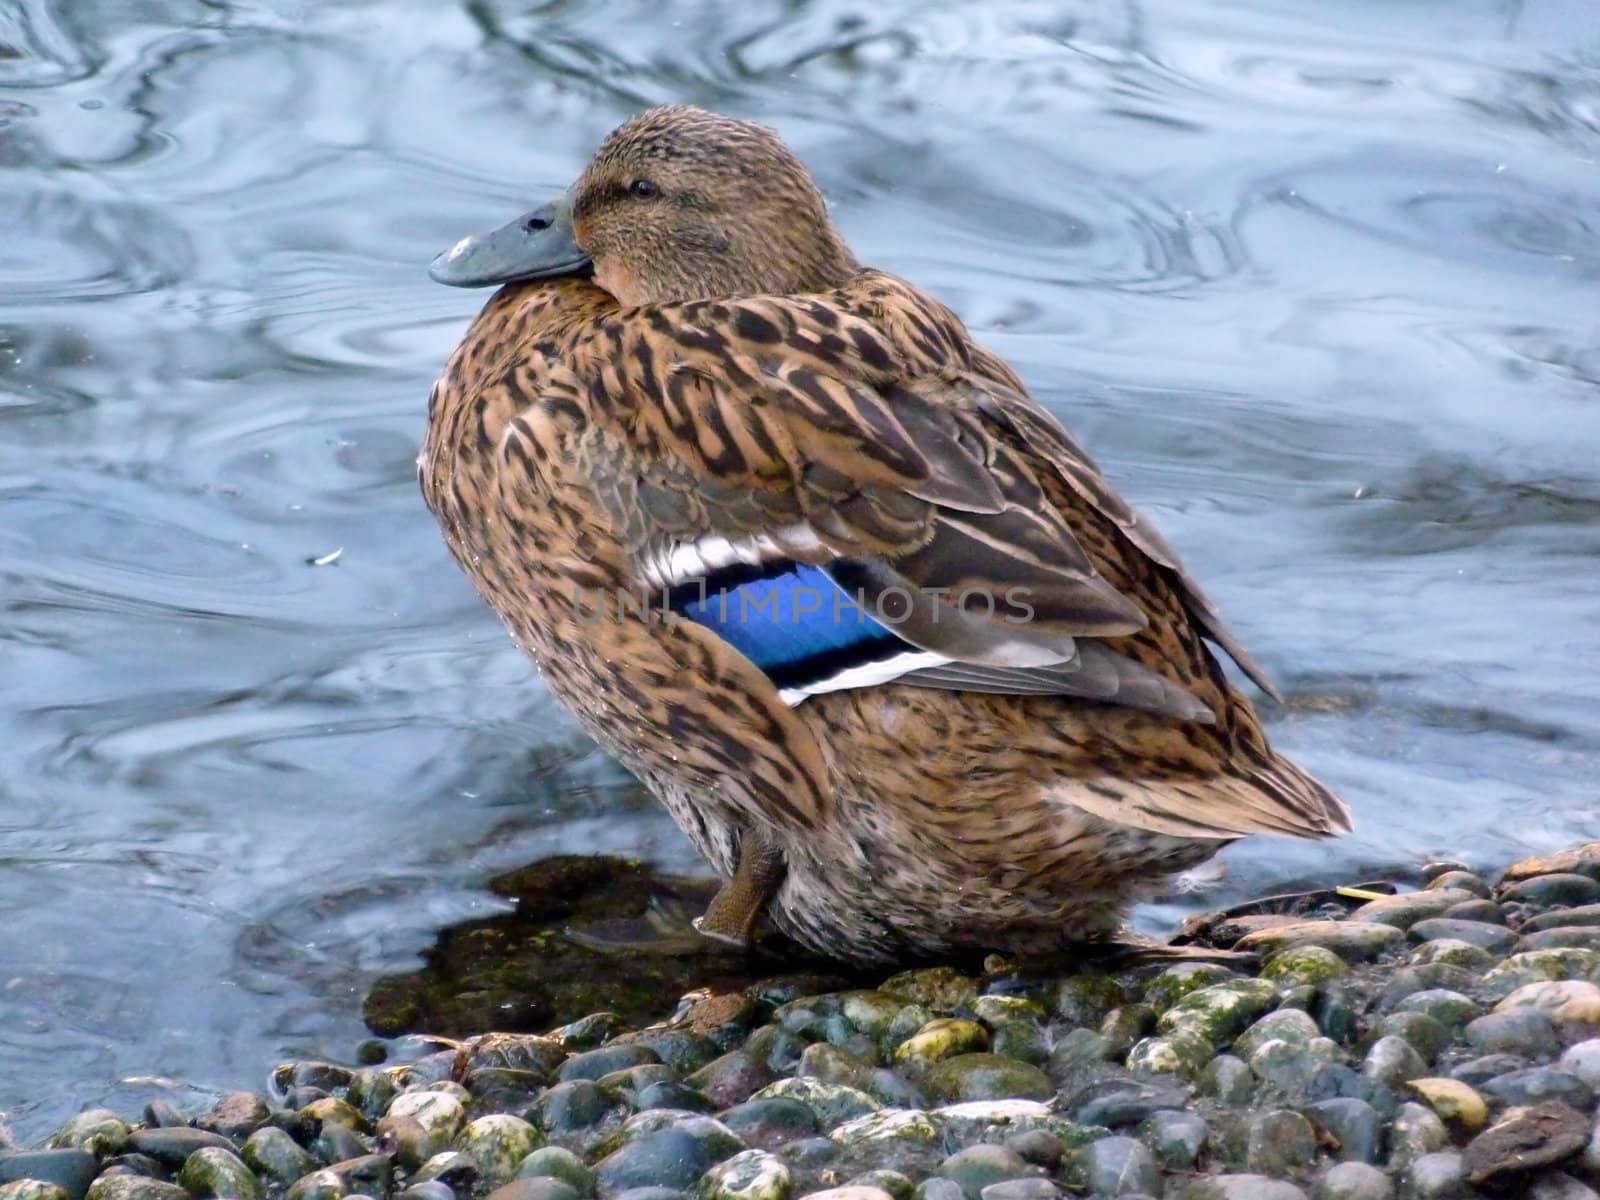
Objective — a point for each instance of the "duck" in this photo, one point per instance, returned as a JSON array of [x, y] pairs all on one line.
[[808, 560]]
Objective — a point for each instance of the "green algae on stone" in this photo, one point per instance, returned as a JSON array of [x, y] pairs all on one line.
[[1541, 966], [319, 1185], [1181, 980], [111, 1187], [98, 1130], [987, 1120], [215, 1172], [1168, 1056], [498, 1143], [942, 1038], [942, 988], [36, 1189], [274, 1155], [1084, 1000], [906, 1125], [330, 1110], [557, 1162], [986, 1077], [439, 1114], [1201, 1023], [870, 1012], [1353, 941], [833, 1103], [1303, 965], [748, 1175], [1406, 909]]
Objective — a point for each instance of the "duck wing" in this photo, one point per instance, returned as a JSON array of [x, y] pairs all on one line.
[[782, 477]]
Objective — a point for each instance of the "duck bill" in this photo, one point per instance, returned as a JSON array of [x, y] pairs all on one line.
[[537, 245]]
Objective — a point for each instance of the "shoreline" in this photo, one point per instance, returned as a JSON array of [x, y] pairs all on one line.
[[1428, 1045]]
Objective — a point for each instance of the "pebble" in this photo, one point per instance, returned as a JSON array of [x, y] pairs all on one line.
[[1118, 1166], [1415, 1131], [1583, 915], [750, 1175], [1583, 1061], [1353, 941], [1176, 1138], [1457, 1104], [1353, 1181], [172, 1146], [1495, 939], [1405, 910], [1354, 1125], [70, 1170], [1547, 890], [533, 1189], [1393, 1061], [133, 1187], [1240, 1187], [593, 1064], [1280, 1143], [673, 1157], [1537, 1084], [1526, 1032], [213, 1171], [768, 1124], [986, 1077], [1436, 1176]]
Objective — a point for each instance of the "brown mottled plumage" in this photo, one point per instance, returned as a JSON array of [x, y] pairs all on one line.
[[736, 380]]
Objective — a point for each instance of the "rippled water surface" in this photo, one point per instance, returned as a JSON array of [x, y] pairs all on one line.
[[1319, 283]]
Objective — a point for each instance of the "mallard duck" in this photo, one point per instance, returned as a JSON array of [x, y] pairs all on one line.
[[809, 561]]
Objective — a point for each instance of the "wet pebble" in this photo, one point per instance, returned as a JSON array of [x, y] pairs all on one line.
[[1240, 1187], [986, 1077], [976, 1167], [1280, 1143], [571, 1106], [1457, 1104], [1354, 1125], [1393, 1061], [70, 1170], [1495, 939], [1176, 1138], [1119, 1166], [172, 1146], [272, 1153], [1526, 1032], [536, 1188], [768, 1124], [673, 1157], [134, 1187], [1436, 1176], [1353, 1181], [593, 1064], [1537, 1084], [214, 1172], [1545, 891]]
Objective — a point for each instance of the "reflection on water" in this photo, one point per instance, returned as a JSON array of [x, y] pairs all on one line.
[[1315, 282]]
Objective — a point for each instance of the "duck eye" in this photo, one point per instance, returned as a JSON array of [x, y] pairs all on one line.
[[644, 189]]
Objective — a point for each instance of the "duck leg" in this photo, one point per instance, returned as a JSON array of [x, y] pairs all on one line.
[[733, 912]]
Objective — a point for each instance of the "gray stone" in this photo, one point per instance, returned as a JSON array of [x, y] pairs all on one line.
[[1176, 1138], [98, 1130], [319, 1185], [1039, 1146], [1496, 939], [1405, 910], [571, 1106], [70, 1170], [1583, 1060], [1280, 1143], [1546, 891], [1116, 1103], [1336, 1081], [172, 1146], [592, 1064], [976, 1167], [937, 1188], [1393, 1061], [896, 1184], [1423, 1033], [1241, 1187], [1415, 1131], [272, 1154], [1451, 1009], [833, 1103], [1475, 1072], [537, 1188], [1353, 1181], [1228, 1079], [1024, 1189], [1557, 1186], [768, 1124], [1537, 1084], [1437, 1176], [1528, 1032], [1118, 1166], [672, 1157], [1584, 914], [1354, 1125]]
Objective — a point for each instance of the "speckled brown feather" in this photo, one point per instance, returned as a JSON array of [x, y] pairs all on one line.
[[571, 439]]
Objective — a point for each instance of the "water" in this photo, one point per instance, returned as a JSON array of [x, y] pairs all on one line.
[[1316, 282]]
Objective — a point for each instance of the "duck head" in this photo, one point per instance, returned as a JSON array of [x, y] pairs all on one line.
[[677, 204]]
